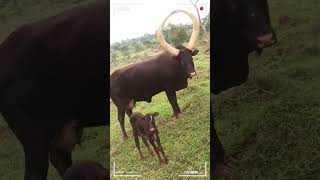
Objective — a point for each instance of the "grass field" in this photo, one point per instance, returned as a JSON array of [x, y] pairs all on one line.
[[185, 140], [276, 134], [95, 140]]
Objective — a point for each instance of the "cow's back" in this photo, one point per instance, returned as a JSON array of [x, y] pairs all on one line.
[[147, 78]]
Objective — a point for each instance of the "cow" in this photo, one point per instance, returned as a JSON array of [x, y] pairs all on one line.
[[239, 28], [145, 127], [53, 79], [168, 72], [86, 170]]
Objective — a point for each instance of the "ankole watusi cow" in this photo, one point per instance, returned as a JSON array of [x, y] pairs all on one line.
[[239, 27], [53, 80], [168, 72]]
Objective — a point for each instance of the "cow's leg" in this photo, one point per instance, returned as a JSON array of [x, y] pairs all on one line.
[[60, 159], [36, 163], [130, 105], [35, 141], [156, 149], [172, 97], [136, 140], [161, 149], [218, 155], [121, 116], [128, 112], [147, 145]]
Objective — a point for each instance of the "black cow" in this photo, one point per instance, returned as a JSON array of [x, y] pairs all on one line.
[[239, 27], [53, 77], [167, 72]]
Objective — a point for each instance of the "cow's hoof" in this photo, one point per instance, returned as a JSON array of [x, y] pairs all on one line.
[[152, 153], [177, 115], [125, 138], [166, 161], [163, 163], [142, 158]]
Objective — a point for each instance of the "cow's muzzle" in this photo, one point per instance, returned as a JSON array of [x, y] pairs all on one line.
[[266, 40]]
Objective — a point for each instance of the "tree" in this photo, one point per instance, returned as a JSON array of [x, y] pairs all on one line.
[[204, 24], [114, 57], [176, 34]]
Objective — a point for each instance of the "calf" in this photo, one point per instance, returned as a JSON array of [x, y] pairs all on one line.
[[86, 170], [145, 127]]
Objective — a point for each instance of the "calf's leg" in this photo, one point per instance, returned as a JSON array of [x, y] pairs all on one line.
[[147, 145], [136, 140], [161, 149], [156, 149]]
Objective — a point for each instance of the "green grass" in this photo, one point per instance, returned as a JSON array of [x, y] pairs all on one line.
[[95, 140], [185, 140], [277, 135]]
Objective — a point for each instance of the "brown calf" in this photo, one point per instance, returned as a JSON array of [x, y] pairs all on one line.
[[86, 170], [145, 127]]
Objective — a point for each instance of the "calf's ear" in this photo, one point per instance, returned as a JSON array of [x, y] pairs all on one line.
[[195, 52], [155, 114]]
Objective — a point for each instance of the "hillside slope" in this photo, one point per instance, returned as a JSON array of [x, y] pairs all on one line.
[[271, 123]]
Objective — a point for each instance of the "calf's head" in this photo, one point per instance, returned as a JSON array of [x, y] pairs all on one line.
[[151, 123], [86, 170], [183, 54]]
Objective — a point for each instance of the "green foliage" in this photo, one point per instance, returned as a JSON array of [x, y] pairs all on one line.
[[177, 34]]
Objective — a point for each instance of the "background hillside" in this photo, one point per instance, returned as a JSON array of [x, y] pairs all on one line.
[[275, 134], [14, 13]]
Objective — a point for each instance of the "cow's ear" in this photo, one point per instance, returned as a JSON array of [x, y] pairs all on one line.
[[195, 52], [155, 114]]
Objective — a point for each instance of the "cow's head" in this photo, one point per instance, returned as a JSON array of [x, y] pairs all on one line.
[[182, 54], [251, 18]]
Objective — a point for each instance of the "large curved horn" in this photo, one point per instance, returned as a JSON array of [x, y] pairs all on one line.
[[193, 39]]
